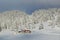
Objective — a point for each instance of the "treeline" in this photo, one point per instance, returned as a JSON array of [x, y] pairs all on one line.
[[17, 20]]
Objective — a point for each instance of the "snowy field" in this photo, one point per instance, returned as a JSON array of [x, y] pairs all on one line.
[[37, 35]]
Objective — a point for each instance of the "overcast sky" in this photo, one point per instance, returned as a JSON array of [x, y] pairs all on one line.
[[28, 5]]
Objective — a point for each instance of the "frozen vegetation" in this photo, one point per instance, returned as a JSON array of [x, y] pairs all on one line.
[[41, 22]]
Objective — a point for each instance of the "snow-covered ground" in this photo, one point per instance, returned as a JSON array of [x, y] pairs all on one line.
[[35, 35]]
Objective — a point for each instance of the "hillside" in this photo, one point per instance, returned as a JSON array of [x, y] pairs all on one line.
[[40, 19]]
